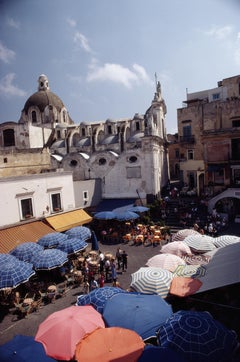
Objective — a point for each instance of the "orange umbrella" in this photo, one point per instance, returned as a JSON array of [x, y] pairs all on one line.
[[184, 286], [110, 344], [61, 331]]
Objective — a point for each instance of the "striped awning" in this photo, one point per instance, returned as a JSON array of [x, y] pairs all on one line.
[[13, 236]]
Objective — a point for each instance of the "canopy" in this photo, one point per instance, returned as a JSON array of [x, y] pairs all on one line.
[[67, 220]]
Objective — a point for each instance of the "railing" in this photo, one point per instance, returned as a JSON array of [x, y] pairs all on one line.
[[187, 139]]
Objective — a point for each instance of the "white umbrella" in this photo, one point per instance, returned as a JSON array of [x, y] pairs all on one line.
[[182, 234], [200, 243], [178, 248], [165, 261], [224, 240], [151, 280]]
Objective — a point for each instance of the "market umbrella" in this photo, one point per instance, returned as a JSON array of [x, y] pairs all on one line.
[[152, 281], [183, 233], [94, 240], [138, 209], [15, 272], [198, 337], [81, 232], [23, 349], [178, 248], [142, 313], [98, 297], [26, 250], [153, 353], [225, 240], [184, 286], [110, 344], [72, 245], [165, 261], [49, 259], [105, 215], [51, 240], [126, 215], [193, 271], [62, 330], [200, 243], [4, 258]]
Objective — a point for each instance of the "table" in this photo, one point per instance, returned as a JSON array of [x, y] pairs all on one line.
[[27, 301], [52, 289]]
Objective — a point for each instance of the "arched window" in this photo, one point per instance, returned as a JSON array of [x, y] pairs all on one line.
[[8, 138], [34, 117]]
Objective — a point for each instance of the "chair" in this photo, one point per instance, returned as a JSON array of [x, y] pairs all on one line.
[[61, 290], [69, 279], [36, 305]]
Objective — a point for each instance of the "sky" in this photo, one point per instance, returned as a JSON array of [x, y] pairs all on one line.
[[102, 57]]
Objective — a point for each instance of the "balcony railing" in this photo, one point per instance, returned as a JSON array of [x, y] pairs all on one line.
[[187, 139]]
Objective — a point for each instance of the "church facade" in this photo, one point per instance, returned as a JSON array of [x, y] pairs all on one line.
[[127, 157]]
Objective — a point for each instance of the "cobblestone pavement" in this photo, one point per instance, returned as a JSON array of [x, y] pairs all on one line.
[[11, 326]]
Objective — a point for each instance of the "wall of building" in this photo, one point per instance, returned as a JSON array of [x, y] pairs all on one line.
[[39, 188], [87, 193]]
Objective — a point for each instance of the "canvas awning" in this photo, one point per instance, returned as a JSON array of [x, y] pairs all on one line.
[[13, 236], [68, 220]]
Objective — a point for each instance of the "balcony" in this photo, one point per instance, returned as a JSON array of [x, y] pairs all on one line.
[[187, 139]]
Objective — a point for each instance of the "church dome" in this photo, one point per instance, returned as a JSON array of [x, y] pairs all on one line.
[[44, 97]]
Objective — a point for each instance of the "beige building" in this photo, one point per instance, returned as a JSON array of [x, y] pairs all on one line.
[[206, 153]]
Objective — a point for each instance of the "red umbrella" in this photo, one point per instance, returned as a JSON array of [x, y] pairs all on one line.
[[61, 331]]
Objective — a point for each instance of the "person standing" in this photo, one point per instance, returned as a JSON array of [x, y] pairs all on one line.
[[124, 260], [119, 258], [113, 271]]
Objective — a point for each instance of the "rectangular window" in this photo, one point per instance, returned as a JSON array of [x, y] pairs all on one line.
[[83, 132], [133, 172], [85, 195], [177, 153], [215, 96], [137, 126], [190, 154], [109, 129], [26, 208], [56, 202]]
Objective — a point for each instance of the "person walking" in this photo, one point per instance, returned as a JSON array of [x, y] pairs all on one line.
[[124, 260]]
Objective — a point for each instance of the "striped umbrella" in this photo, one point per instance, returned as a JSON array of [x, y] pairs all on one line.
[[193, 271], [200, 243], [51, 240], [49, 259], [165, 261], [26, 250], [72, 245], [198, 337], [224, 240], [81, 232], [178, 248], [182, 234], [151, 280]]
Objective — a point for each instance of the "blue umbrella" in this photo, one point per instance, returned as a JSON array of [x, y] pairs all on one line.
[[15, 272], [49, 259], [198, 336], [98, 297], [81, 232], [138, 209], [72, 245], [23, 349], [126, 215], [51, 240], [157, 354], [26, 250], [105, 215], [6, 258], [94, 241], [142, 313]]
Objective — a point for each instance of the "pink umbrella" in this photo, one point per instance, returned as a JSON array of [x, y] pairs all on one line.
[[178, 248], [182, 234], [165, 261], [61, 331]]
